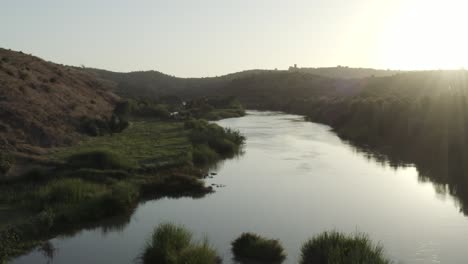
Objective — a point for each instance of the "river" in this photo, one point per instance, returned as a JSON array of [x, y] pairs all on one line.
[[294, 180]]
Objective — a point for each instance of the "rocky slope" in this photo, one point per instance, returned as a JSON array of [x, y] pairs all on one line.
[[43, 103]]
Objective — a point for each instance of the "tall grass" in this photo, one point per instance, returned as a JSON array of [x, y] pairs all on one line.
[[251, 247], [66, 191], [210, 139], [337, 248], [172, 244], [203, 154]]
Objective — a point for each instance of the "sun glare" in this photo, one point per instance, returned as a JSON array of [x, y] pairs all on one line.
[[427, 35]]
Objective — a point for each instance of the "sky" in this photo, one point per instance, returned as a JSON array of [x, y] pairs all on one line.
[[213, 37]]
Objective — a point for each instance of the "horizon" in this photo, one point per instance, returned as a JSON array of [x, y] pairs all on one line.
[[207, 38], [243, 70]]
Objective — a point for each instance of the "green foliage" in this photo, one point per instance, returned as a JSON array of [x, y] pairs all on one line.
[[203, 154], [121, 198], [215, 108], [149, 145], [172, 244], [199, 254], [337, 248], [99, 159], [205, 136], [90, 182], [149, 110], [65, 191], [254, 248]]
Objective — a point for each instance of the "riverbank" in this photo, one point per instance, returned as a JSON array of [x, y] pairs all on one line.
[[106, 176]]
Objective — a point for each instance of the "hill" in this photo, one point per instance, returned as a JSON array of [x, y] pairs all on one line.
[[343, 72], [154, 84], [42, 103], [295, 82]]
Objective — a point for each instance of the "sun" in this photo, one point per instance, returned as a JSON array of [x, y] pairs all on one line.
[[426, 34]]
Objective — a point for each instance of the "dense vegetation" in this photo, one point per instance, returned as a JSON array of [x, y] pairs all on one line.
[[172, 244], [252, 248], [106, 176], [337, 248]]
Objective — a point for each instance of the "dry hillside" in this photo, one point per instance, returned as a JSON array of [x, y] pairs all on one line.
[[42, 103]]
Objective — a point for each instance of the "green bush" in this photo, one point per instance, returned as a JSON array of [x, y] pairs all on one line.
[[171, 244], [65, 191], [224, 141], [121, 198], [199, 254], [166, 244], [334, 247], [252, 247], [202, 154], [99, 159]]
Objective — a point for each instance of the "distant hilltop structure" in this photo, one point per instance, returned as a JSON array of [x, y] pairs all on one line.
[[345, 72], [293, 68]]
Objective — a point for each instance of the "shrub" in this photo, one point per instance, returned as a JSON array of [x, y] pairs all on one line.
[[199, 254], [6, 161], [121, 198], [151, 110], [94, 127], [202, 154], [166, 244], [99, 159], [224, 141], [335, 247], [171, 244], [65, 191], [252, 247]]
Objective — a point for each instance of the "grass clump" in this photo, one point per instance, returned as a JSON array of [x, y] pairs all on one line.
[[337, 248], [65, 191], [251, 247], [121, 198], [99, 159], [210, 139], [172, 244], [203, 154]]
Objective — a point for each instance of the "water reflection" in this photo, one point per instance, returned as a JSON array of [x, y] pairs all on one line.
[[48, 250], [448, 176]]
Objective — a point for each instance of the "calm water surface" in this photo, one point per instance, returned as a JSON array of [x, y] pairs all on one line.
[[296, 179]]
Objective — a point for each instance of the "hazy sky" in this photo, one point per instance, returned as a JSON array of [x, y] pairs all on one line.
[[214, 37]]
